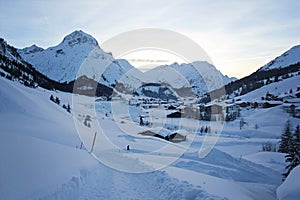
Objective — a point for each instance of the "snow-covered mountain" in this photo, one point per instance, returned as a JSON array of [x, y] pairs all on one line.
[[10, 52], [32, 49], [280, 68], [155, 90], [14, 67], [77, 55], [288, 58], [200, 76]]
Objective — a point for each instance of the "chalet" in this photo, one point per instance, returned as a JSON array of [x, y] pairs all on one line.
[[243, 104], [171, 107], [287, 97], [176, 114], [214, 109], [266, 104], [177, 137], [293, 100], [154, 106], [165, 134], [270, 104], [213, 112], [151, 133]]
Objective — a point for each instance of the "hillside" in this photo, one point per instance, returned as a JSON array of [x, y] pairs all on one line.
[[290, 57], [283, 67]]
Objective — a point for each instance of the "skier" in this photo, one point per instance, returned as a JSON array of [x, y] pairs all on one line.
[[127, 148]]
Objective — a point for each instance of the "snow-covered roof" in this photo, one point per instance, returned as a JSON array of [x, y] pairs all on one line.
[[270, 102], [222, 104], [294, 100], [182, 132], [161, 131]]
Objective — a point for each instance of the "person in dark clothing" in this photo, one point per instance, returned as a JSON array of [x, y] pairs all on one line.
[[127, 148], [141, 121]]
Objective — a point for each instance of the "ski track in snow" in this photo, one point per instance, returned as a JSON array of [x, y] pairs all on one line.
[[105, 183]]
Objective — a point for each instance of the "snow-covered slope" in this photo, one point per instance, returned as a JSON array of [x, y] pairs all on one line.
[[9, 52], [289, 189], [79, 54], [200, 76], [280, 88], [290, 57], [41, 159]]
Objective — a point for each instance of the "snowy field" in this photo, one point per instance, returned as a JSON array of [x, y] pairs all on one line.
[[42, 157]]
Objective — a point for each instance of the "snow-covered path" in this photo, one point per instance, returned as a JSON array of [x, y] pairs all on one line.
[[106, 183]]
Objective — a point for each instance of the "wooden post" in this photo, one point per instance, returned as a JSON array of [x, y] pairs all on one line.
[[93, 142]]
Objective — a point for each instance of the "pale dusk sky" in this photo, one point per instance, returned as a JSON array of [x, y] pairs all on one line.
[[239, 36]]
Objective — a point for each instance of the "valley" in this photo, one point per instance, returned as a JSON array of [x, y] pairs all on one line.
[[76, 123]]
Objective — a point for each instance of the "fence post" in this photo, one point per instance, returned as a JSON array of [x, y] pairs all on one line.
[[93, 142]]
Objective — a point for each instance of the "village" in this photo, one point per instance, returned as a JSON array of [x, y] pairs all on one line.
[[222, 110]]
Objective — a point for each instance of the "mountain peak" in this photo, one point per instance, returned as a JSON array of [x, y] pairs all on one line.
[[286, 59], [32, 49], [79, 37]]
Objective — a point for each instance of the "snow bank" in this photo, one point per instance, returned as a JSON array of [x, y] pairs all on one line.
[[227, 188], [32, 167], [273, 160], [105, 183], [222, 165], [289, 189]]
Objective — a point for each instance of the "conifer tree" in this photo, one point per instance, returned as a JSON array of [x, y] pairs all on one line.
[[286, 139], [69, 108], [293, 156], [51, 98], [57, 100]]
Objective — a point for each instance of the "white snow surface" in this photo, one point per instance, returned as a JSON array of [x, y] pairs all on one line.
[[289, 189], [290, 57], [277, 88], [41, 158]]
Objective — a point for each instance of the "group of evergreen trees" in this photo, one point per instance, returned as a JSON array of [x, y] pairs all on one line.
[[260, 78], [290, 144], [57, 101], [205, 129]]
